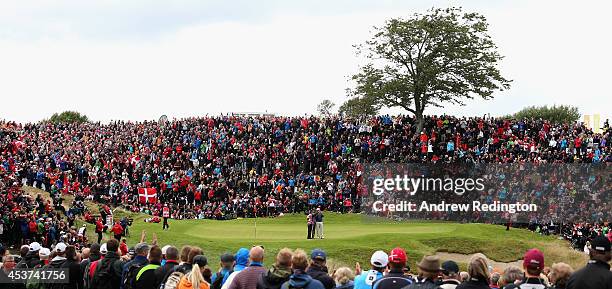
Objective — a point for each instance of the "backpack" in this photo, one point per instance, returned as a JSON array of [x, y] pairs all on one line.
[[130, 276], [104, 276], [173, 280]]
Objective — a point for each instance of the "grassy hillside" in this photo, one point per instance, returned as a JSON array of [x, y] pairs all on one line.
[[350, 238]]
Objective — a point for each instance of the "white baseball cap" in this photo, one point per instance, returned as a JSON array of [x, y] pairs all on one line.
[[35, 246], [379, 259], [60, 247], [164, 249], [44, 252], [103, 249]]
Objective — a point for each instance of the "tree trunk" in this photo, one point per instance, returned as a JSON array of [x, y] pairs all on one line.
[[419, 120]]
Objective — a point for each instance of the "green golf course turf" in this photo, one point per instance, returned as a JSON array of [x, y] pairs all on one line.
[[349, 238]]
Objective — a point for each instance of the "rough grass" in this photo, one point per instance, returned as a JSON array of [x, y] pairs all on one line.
[[349, 238]]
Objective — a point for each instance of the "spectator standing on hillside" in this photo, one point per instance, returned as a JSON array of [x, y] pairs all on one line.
[[299, 278], [365, 280], [117, 231], [279, 272], [318, 269], [319, 224], [247, 278], [596, 274]]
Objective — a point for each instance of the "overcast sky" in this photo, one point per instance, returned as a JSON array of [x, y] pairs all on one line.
[[135, 60]]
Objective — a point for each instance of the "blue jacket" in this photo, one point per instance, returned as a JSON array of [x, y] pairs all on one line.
[[302, 280], [242, 259]]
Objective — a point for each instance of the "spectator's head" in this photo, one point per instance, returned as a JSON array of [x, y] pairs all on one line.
[[533, 263], [111, 246], [283, 258], [299, 261], [511, 274], [464, 276], [34, 247], [242, 259], [256, 254], [318, 257], [8, 262], [429, 267], [185, 253], [379, 261], [398, 258], [155, 254], [172, 253], [478, 268], [227, 261], [142, 249], [559, 274], [192, 253], [343, 275], [600, 249], [71, 253], [450, 270], [163, 250], [44, 254], [23, 251], [94, 250], [60, 249], [195, 276], [85, 253]]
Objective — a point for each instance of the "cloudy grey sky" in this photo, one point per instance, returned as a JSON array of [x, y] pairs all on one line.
[[136, 60]]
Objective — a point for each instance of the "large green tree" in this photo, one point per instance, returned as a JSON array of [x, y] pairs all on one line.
[[444, 56], [554, 114]]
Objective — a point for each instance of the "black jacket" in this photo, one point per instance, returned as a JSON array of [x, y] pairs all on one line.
[[148, 279], [474, 283], [595, 275], [423, 284], [320, 273], [395, 279], [75, 275]]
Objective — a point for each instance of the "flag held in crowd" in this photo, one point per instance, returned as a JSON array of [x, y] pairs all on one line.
[[148, 195]]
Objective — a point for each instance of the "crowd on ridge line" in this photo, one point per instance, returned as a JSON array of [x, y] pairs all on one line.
[[111, 266]]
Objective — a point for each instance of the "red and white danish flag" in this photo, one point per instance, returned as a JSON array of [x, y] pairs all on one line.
[[148, 195]]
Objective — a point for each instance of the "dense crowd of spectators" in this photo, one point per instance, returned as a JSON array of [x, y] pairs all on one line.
[[108, 266]]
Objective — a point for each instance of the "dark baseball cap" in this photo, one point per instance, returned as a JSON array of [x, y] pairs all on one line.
[[449, 267], [600, 244], [227, 258], [318, 254]]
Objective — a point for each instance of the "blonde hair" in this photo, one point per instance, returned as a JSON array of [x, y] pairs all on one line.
[[299, 260], [343, 275], [283, 258], [195, 276], [560, 273], [479, 268]]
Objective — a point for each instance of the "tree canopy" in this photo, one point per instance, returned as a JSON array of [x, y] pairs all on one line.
[[554, 114], [325, 107], [441, 57], [68, 117]]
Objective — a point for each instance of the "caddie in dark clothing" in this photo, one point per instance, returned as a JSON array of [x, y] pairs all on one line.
[[596, 274], [395, 278], [317, 269]]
